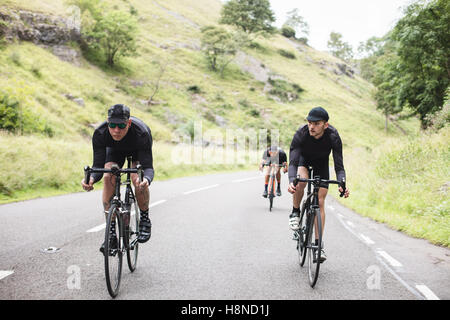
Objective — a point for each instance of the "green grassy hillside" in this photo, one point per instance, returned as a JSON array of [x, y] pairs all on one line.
[[48, 158]]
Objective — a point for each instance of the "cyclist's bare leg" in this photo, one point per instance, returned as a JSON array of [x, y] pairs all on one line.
[[278, 175], [109, 183], [322, 195], [142, 194], [298, 195]]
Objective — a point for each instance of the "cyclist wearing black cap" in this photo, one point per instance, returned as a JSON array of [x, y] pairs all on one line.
[[273, 154], [311, 146], [115, 139]]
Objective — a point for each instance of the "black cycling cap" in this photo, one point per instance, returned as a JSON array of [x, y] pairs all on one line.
[[118, 113], [317, 114]]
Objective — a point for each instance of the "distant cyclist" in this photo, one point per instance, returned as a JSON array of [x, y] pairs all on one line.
[[115, 139], [311, 146], [273, 154]]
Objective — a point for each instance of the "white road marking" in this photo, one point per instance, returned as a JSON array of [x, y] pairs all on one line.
[[246, 179], [389, 259], [403, 282], [103, 226], [427, 292], [156, 203], [366, 239], [97, 228], [4, 274], [331, 207], [201, 189], [351, 224]]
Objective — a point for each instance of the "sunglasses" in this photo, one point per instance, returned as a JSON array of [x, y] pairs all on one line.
[[112, 125]]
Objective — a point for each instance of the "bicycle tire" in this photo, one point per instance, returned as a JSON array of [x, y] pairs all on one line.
[[131, 235], [303, 236], [314, 267], [112, 275], [271, 193]]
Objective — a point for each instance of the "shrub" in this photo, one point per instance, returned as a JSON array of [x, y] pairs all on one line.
[[288, 32], [194, 89], [286, 54], [9, 113], [286, 91]]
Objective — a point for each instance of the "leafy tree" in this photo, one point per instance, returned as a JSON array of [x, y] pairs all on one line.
[[251, 16], [339, 48], [114, 33], [423, 37], [370, 51], [387, 77], [219, 47], [297, 22]]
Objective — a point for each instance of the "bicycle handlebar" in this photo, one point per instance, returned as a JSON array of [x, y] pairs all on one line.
[[317, 181], [115, 170]]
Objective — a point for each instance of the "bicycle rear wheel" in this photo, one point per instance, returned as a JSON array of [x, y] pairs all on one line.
[[113, 252], [132, 233], [314, 264]]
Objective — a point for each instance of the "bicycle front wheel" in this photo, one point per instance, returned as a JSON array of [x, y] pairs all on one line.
[[113, 251], [302, 237], [132, 233], [314, 249]]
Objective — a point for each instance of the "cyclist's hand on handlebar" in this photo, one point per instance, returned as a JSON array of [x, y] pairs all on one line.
[[140, 184], [292, 188], [88, 187], [346, 193]]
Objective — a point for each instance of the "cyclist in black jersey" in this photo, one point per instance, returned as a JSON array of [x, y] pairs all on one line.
[[311, 146], [115, 139], [273, 154]]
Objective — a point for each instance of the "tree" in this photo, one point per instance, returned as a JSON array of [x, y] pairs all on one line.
[[219, 47], [423, 37], [114, 33], [298, 23], [339, 48], [370, 51], [387, 78], [251, 16]]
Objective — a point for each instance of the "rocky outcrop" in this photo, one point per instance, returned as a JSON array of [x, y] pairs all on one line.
[[38, 27], [53, 32]]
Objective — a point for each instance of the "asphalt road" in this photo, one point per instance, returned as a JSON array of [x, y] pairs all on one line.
[[213, 238]]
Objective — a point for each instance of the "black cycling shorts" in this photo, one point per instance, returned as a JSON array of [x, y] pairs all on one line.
[[118, 156], [320, 168]]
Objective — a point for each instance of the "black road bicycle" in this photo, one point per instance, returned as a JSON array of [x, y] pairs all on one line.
[[272, 180], [124, 216], [311, 226]]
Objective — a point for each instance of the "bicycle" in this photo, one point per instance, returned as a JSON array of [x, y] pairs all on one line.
[[272, 180], [126, 228], [310, 216]]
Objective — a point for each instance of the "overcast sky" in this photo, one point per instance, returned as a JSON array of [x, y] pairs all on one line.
[[356, 20]]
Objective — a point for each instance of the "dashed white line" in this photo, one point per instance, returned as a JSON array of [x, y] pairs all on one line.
[[97, 228], [366, 239], [331, 207], [201, 189], [389, 258], [156, 203], [103, 226], [4, 274], [351, 224], [427, 292]]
